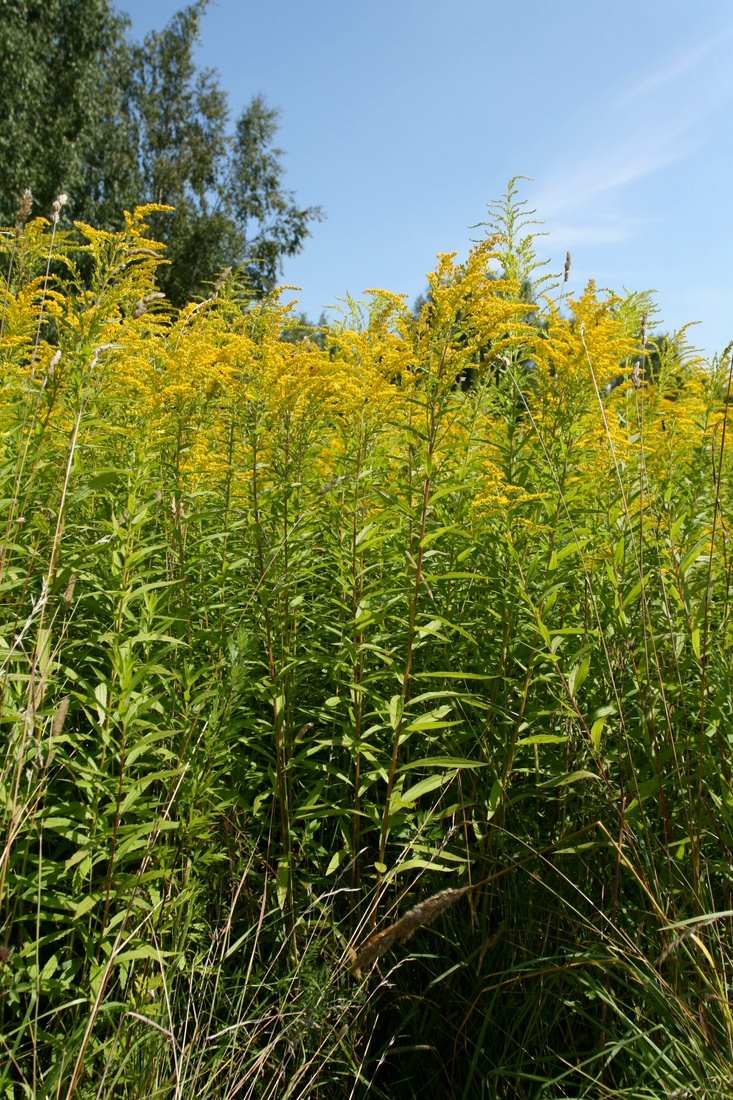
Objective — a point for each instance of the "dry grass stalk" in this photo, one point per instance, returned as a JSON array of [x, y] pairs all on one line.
[[420, 915]]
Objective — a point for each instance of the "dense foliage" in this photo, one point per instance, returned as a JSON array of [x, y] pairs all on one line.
[[296, 634], [112, 122]]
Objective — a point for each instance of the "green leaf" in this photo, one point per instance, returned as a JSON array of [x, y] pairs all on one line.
[[431, 628], [694, 554], [364, 532], [578, 676], [147, 951], [84, 906], [336, 860], [282, 882], [417, 865], [431, 720], [437, 534], [543, 739], [695, 639], [570, 777], [50, 968], [442, 762], [596, 731], [395, 711], [101, 695], [406, 798], [77, 857], [494, 799]]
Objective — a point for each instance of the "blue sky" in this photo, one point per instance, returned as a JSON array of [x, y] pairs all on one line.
[[404, 118]]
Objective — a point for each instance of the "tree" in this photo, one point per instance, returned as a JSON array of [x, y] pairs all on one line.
[[63, 123], [115, 123]]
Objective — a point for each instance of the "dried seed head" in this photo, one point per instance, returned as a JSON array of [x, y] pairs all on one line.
[[221, 280], [332, 484], [142, 303], [25, 206], [4, 953], [60, 716], [53, 363], [60, 201], [69, 593], [636, 375], [566, 270], [23, 211], [401, 930]]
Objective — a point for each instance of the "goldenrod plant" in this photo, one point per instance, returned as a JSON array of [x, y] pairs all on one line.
[[365, 692]]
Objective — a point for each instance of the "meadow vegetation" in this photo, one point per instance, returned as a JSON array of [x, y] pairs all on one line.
[[365, 732]]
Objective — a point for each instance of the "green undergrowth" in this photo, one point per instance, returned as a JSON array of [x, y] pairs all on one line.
[[296, 634]]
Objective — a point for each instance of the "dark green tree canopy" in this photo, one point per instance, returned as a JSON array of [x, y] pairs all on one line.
[[63, 120], [115, 123]]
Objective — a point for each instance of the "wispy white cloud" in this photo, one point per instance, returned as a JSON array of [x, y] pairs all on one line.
[[677, 67], [611, 229], [607, 169], [645, 132]]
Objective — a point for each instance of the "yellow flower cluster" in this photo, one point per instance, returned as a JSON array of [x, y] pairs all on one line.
[[218, 385]]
